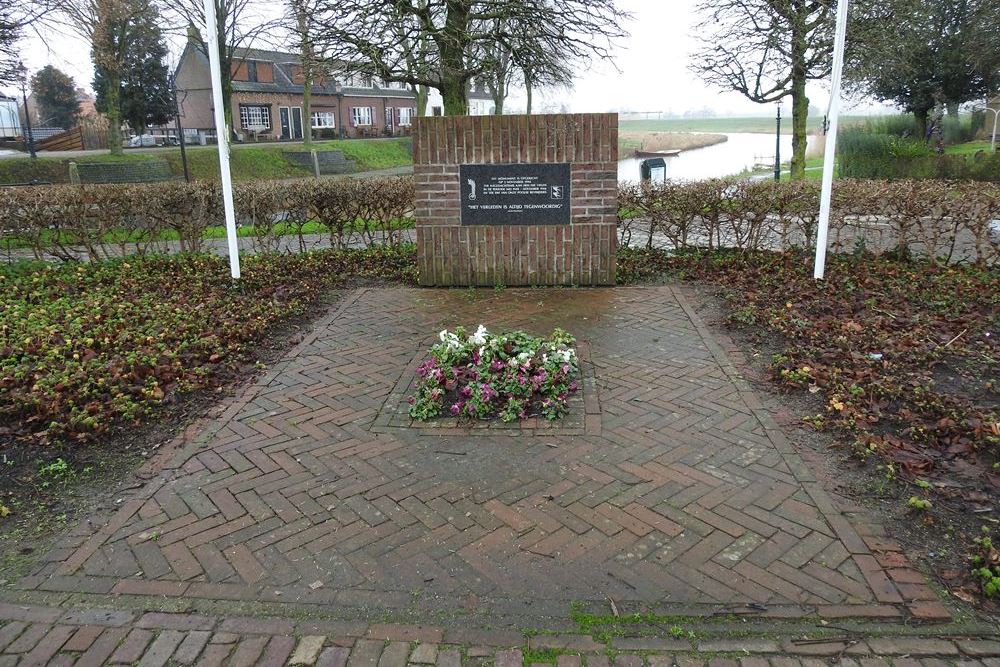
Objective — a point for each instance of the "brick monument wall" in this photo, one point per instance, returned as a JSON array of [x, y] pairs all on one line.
[[579, 253]]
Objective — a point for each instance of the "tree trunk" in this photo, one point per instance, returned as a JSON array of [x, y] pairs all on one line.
[[307, 86], [113, 93], [451, 47], [920, 120], [453, 95], [306, 63], [421, 93], [227, 103], [527, 89], [800, 103], [498, 105], [952, 108]]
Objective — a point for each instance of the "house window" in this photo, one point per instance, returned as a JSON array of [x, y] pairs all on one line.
[[321, 119], [252, 70], [361, 115], [406, 115], [255, 117]]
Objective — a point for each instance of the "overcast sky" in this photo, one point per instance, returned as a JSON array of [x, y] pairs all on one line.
[[651, 72]]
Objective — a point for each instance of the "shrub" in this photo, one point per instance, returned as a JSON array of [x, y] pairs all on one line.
[[101, 221], [942, 220]]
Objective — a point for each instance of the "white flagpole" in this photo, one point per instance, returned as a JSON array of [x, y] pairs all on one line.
[[831, 140], [222, 136]]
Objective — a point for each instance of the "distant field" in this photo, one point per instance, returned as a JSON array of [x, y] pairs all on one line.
[[754, 125]]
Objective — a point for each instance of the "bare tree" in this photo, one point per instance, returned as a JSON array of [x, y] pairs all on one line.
[[15, 18], [238, 26], [300, 15], [521, 54], [374, 37], [104, 23], [767, 50]]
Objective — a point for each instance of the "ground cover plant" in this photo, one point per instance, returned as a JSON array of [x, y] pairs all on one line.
[[902, 353], [85, 348], [510, 376]]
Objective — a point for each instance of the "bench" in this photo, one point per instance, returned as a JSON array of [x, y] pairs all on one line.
[[151, 171], [330, 162]]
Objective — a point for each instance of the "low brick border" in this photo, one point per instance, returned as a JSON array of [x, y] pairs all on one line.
[[90, 636], [583, 417]]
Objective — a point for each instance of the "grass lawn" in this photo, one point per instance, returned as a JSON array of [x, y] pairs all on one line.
[[247, 161], [970, 148]]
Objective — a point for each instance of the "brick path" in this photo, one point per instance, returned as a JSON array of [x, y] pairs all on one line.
[[87, 638], [677, 494]]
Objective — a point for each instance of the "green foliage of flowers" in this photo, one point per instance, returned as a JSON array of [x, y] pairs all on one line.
[[986, 564], [481, 375], [86, 347]]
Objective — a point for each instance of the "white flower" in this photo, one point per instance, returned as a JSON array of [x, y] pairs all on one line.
[[512, 362], [443, 335], [524, 356], [479, 337], [565, 355]]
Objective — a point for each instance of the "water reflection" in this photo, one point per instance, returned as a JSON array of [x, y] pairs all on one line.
[[725, 159]]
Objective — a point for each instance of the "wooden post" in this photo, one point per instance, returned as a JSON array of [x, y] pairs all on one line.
[[315, 160]]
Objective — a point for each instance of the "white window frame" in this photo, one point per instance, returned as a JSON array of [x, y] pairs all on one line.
[[406, 115], [263, 111], [361, 116], [329, 120]]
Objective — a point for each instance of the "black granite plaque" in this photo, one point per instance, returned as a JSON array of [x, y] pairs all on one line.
[[515, 194]]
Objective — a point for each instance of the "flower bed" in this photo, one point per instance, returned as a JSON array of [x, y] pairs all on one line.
[[510, 376]]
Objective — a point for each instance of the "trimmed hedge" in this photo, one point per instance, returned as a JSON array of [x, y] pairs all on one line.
[[111, 220], [946, 220], [943, 220]]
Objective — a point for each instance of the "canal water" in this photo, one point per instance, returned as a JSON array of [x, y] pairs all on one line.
[[726, 159]]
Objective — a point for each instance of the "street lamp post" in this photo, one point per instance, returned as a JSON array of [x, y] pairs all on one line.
[[339, 90], [777, 146], [29, 138]]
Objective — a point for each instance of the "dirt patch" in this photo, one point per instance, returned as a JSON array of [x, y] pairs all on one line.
[[937, 542]]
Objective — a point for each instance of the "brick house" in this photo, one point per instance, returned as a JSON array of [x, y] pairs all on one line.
[[267, 99]]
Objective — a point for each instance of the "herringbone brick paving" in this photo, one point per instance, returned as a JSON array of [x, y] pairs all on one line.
[[689, 499]]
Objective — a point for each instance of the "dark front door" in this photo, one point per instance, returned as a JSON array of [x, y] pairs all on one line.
[[296, 122], [285, 127]]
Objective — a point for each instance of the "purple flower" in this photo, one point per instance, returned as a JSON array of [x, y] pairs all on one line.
[[573, 386], [465, 391], [456, 408], [488, 392], [497, 365]]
